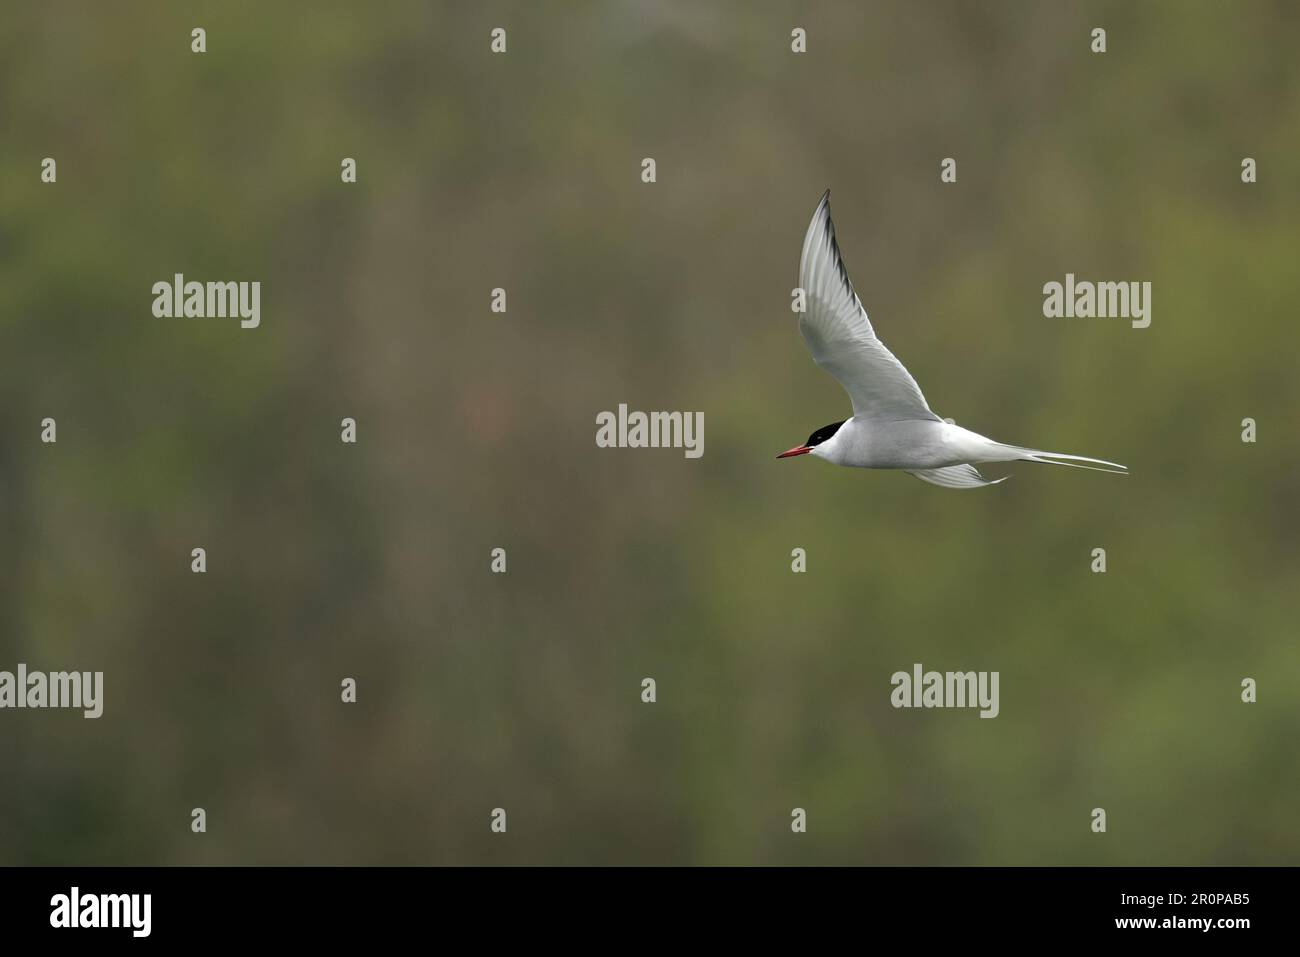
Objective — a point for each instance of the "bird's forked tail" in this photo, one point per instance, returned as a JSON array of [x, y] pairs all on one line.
[[1074, 461]]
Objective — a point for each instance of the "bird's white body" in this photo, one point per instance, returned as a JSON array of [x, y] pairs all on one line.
[[910, 444], [892, 425]]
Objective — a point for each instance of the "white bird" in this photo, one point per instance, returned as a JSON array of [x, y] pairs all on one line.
[[892, 425]]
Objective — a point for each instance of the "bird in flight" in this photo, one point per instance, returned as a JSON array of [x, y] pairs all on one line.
[[892, 425]]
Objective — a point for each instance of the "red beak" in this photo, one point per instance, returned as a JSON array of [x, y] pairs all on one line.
[[797, 450]]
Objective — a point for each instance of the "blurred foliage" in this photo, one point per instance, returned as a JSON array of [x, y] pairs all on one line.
[[476, 430]]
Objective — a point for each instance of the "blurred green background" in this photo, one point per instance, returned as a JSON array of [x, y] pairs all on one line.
[[477, 430]]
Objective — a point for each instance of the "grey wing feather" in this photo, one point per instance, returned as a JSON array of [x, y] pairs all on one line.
[[840, 336], [955, 476]]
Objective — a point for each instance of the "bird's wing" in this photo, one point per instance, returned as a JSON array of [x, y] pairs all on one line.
[[839, 334], [955, 476]]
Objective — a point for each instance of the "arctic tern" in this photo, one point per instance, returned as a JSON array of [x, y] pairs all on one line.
[[892, 425]]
